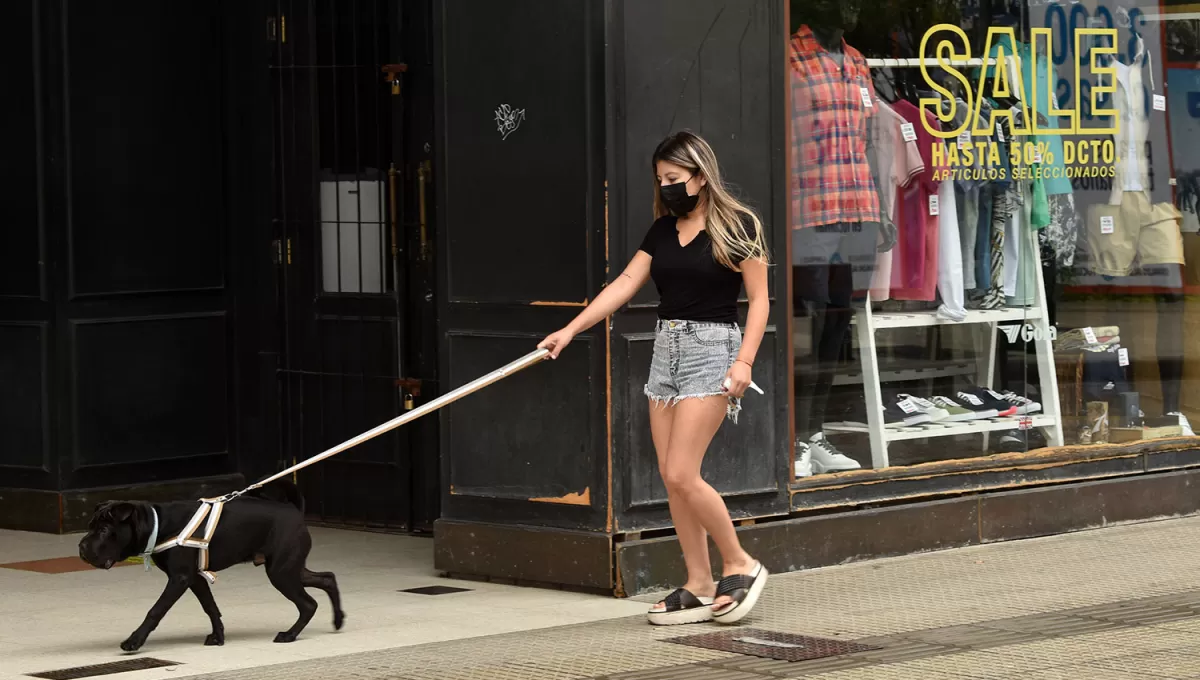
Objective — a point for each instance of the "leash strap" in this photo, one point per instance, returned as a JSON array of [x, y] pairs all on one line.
[[210, 508]]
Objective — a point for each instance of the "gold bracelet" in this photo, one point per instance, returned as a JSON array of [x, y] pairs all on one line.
[[744, 362]]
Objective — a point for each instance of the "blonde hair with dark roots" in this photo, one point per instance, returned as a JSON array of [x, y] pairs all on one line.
[[726, 216]]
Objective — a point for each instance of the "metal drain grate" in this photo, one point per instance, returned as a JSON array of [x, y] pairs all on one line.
[[139, 664], [435, 590], [769, 644]]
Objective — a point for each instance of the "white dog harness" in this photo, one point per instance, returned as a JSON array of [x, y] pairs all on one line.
[[210, 508]]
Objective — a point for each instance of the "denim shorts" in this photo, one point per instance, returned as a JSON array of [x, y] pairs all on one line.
[[691, 360]]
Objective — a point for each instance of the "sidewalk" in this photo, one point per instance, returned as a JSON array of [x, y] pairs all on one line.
[[52, 621], [1116, 603]]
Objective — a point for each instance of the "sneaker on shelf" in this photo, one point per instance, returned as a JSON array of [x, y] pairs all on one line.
[[1184, 425], [804, 467], [986, 401], [903, 413], [958, 412], [826, 457], [935, 412], [1025, 407]]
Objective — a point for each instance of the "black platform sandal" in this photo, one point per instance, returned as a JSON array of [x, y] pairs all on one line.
[[744, 590], [681, 607]]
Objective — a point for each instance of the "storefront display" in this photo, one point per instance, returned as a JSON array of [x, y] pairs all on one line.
[[986, 199]]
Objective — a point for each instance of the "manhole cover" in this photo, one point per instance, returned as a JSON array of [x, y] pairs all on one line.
[[770, 644], [138, 664], [435, 590]]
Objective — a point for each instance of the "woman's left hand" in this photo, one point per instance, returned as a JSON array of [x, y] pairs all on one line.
[[738, 379]]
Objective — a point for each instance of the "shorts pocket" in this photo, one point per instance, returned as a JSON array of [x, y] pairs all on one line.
[[711, 336]]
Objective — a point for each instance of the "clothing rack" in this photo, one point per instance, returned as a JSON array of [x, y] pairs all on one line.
[[927, 61], [1035, 318]]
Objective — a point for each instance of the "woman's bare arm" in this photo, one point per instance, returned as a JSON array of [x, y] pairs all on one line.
[[754, 275], [615, 295], [612, 298]]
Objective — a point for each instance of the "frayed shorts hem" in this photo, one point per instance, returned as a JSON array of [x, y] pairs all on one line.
[[731, 410]]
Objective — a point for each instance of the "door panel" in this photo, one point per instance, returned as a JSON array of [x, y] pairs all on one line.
[[664, 82], [143, 352], [340, 256], [521, 202]]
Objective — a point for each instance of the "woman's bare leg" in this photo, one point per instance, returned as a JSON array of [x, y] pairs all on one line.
[[694, 424], [693, 540]]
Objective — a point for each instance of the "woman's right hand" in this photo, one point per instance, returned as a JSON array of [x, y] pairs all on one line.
[[556, 342]]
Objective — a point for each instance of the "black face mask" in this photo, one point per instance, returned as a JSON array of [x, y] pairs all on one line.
[[675, 197]]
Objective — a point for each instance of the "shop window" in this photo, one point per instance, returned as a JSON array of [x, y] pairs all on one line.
[[993, 210]]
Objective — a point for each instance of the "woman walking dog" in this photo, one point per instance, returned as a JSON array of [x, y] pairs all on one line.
[[703, 246]]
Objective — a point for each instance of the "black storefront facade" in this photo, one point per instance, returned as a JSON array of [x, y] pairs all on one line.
[[184, 308]]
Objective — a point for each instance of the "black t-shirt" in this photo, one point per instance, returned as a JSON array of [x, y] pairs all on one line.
[[692, 286]]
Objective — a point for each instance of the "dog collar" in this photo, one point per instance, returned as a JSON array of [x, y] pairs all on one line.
[[150, 544]]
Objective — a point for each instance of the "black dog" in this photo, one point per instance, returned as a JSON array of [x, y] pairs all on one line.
[[266, 526]]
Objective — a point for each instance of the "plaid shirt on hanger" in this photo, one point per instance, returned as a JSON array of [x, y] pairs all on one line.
[[830, 176]]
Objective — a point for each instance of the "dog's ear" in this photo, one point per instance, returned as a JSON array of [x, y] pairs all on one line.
[[114, 511]]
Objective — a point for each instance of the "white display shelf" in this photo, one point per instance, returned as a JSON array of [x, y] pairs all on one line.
[[894, 375], [930, 318], [987, 323], [943, 429]]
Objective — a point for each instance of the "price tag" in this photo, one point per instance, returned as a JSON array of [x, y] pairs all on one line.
[[1000, 133], [1123, 356], [908, 406], [1160, 102], [964, 140], [909, 132], [1107, 225], [866, 97], [933, 205], [1025, 423], [1037, 156], [1089, 336]]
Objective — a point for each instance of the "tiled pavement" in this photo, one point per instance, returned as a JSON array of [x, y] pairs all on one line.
[[1115, 603]]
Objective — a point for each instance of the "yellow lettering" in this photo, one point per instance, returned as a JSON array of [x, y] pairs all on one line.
[[999, 75], [945, 52], [1052, 111], [1105, 47], [993, 154], [1108, 151], [952, 158], [939, 154]]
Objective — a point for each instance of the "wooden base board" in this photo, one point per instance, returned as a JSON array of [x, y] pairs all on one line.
[[656, 564], [61, 512]]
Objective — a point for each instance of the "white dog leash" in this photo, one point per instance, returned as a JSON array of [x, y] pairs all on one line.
[[211, 508]]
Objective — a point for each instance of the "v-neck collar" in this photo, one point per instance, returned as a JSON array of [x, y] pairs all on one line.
[[681, 244]]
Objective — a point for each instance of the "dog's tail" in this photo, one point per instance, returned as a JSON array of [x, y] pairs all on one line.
[[281, 491]]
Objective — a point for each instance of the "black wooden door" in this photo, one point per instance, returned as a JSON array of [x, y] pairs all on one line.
[[521, 249], [139, 147], [340, 251], [719, 72]]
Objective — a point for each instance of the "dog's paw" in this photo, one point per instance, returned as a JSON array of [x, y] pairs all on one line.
[[339, 619], [133, 643], [215, 640], [285, 637]]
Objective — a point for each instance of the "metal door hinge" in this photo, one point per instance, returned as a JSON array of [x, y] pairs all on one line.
[[277, 251]]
